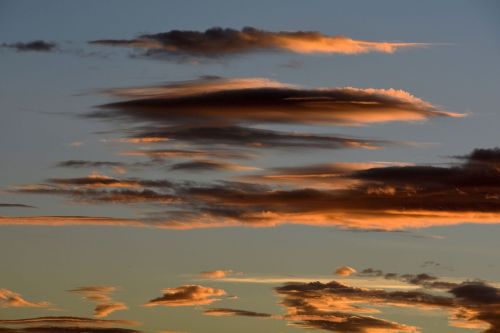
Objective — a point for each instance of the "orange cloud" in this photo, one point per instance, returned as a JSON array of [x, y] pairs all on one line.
[[102, 296], [345, 271], [187, 295], [11, 299]]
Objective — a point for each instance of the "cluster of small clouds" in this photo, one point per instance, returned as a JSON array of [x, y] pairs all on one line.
[[330, 306]]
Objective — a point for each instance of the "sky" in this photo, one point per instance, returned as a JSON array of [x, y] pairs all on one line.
[[264, 166]]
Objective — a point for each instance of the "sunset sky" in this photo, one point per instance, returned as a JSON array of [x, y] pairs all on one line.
[[264, 166]]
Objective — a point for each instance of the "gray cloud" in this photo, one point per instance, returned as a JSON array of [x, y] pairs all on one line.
[[36, 46]]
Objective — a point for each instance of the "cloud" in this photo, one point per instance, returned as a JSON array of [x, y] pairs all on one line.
[[216, 42], [224, 312], [61, 221], [15, 205], [187, 295], [422, 279], [53, 329], [66, 324], [217, 274], [325, 175], [209, 165], [102, 296], [89, 164], [384, 197], [345, 271], [98, 188], [11, 299], [254, 138], [338, 307], [218, 103], [36, 46], [189, 154]]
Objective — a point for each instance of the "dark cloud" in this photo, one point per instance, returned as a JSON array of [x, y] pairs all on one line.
[[483, 156], [98, 188], [217, 42], [15, 205], [63, 324], [236, 101], [253, 138], [207, 165], [55, 329], [89, 164], [221, 312], [189, 154], [422, 279], [36, 45]]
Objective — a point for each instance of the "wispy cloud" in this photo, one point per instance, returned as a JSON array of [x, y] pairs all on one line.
[[11, 299], [102, 296]]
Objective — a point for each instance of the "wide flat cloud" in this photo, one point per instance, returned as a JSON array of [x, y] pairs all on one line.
[[250, 138], [217, 41], [65, 324], [221, 104], [187, 295], [102, 296], [11, 299]]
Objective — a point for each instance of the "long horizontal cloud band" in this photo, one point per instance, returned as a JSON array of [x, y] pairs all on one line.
[[221, 102], [220, 42]]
